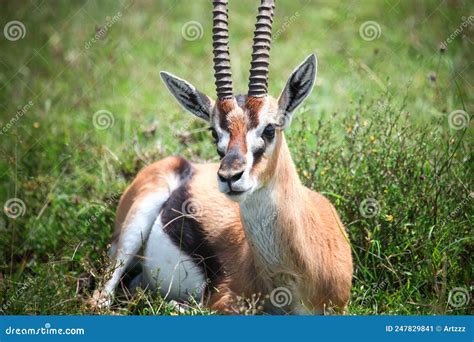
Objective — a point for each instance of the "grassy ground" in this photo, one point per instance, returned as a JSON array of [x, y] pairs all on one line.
[[378, 136]]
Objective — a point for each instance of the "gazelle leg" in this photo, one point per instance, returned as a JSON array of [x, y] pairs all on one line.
[[135, 233]]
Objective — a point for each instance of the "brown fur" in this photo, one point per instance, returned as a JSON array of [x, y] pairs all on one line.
[[315, 254], [254, 105], [147, 181], [224, 107], [317, 246], [220, 220]]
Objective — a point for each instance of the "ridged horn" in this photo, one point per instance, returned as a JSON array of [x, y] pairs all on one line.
[[258, 80], [220, 44]]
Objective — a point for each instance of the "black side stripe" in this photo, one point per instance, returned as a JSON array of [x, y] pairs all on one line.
[[188, 235]]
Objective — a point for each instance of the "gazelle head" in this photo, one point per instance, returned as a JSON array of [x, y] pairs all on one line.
[[246, 128]]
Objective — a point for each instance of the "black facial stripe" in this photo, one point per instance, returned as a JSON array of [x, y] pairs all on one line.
[[188, 234], [258, 154], [214, 134]]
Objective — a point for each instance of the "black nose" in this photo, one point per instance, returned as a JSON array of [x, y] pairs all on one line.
[[232, 167], [229, 176]]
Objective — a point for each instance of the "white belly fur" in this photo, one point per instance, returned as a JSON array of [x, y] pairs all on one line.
[[166, 267]]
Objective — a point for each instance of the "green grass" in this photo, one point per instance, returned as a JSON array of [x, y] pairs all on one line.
[[375, 127]]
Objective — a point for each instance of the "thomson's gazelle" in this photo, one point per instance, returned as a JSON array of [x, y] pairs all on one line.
[[246, 225]]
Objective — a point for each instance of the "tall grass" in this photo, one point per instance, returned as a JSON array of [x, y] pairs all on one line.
[[376, 137]]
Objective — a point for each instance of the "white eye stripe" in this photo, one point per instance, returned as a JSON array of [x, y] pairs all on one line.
[[254, 141], [258, 145], [223, 137], [223, 142]]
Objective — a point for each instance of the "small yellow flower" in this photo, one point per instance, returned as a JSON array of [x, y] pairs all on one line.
[[389, 218], [349, 129], [306, 174], [374, 150], [36, 124], [372, 138], [385, 190], [322, 173], [365, 123]]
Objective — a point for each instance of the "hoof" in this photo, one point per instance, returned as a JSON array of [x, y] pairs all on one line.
[[100, 300]]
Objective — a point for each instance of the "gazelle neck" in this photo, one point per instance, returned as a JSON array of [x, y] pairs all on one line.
[[272, 214]]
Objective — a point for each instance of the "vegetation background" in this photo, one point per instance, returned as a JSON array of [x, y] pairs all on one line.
[[386, 135]]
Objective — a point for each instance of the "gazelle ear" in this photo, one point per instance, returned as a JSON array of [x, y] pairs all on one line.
[[297, 88], [188, 96]]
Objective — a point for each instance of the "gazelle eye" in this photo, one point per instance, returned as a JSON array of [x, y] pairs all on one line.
[[214, 134], [221, 154], [269, 132]]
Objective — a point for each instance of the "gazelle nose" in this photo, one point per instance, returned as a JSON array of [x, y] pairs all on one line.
[[229, 176], [232, 166]]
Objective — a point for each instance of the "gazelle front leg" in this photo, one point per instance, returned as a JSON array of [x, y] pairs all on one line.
[[125, 251], [133, 236], [103, 297]]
